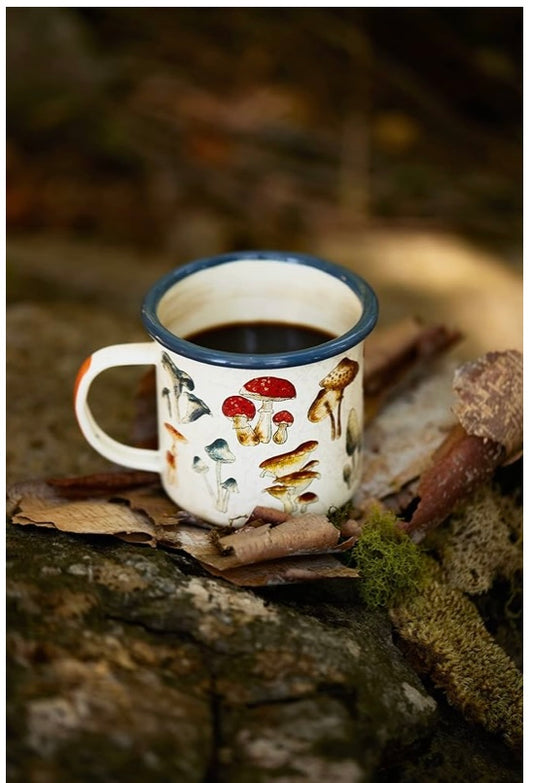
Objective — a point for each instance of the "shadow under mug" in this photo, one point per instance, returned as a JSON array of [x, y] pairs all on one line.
[[240, 429]]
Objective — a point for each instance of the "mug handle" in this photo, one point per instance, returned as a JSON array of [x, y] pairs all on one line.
[[103, 359]]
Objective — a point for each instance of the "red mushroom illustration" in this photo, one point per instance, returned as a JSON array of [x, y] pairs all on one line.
[[241, 411], [283, 420], [267, 390], [330, 395]]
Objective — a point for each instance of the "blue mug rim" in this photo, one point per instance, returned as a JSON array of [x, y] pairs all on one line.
[[264, 361]]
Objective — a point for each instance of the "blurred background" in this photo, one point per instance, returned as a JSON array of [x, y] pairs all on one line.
[[386, 139]]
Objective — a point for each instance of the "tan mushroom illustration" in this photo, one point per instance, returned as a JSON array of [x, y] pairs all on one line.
[[283, 420], [328, 401], [267, 390], [290, 460], [294, 484], [172, 453], [241, 411]]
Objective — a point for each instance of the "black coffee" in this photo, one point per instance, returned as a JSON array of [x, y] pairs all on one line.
[[260, 337]]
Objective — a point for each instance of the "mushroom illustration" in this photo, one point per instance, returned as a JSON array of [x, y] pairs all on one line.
[[171, 466], [199, 466], [289, 486], [172, 453], [241, 411], [299, 480], [267, 389], [353, 445], [188, 406], [166, 394], [220, 453], [228, 486], [290, 460], [282, 494], [304, 501], [283, 420], [330, 396]]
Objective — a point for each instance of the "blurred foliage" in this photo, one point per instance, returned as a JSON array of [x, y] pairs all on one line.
[[227, 127]]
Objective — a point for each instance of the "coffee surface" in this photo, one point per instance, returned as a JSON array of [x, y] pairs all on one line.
[[260, 337]]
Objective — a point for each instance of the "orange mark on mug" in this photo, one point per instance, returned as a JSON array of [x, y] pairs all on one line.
[[81, 372]]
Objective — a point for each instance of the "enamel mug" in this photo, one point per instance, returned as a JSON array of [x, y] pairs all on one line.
[[240, 428]]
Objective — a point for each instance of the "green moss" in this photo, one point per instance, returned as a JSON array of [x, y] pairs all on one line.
[[450, 641], [338, 515], [390, 564]]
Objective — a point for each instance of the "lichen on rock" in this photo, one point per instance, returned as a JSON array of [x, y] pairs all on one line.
[[482, 542]]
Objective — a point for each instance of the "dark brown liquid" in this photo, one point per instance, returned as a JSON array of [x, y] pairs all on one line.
[[259, 337]]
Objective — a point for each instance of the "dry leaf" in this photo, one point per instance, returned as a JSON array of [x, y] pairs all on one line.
[[89, 516], [489, 395], [102, 483], [392, 352], [400, 443], [286, 571]]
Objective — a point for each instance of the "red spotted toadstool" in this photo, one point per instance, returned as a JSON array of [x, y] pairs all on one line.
[[241, 411], [283, 420], [267, 389]]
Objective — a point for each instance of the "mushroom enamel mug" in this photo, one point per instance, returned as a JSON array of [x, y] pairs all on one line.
[[259, 367]]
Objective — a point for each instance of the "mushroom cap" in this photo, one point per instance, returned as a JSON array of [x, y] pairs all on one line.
[[307, 497], [267, 387], [230, 484], [180, 375], [176, 435], [199, 465], [219, 451], [283, 417], [341, 375], [238, 406], [299, 477], [276, 491]]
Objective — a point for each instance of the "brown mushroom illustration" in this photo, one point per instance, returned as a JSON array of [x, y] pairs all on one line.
[[329, 398], [299, 480], [241, 411], [172, 453], [267, 389], [282, 494], [290, 460], [304, 500], [283, 420]]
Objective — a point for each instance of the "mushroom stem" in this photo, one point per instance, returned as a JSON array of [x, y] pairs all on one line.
[[244, 432], [218, 474], [263, 428], [280, 436], [339, 427], [332, 420]]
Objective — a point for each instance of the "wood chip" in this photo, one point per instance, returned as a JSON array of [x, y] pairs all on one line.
[[460, 465], [307, 534]]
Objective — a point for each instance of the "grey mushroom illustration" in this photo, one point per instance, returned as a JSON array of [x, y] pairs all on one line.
[[220, 453], [199, 466], [328, 401], [226, 488], [189, 407], [267, 389], [353, 445], [165, 393]]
